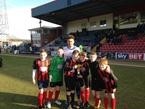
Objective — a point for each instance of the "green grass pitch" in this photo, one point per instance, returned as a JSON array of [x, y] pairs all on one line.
[[18, 92]]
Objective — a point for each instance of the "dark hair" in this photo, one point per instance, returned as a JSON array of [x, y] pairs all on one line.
[[83, 54], [42, 50], [60, 47], [93, 53], [75, 52], [70, 36]]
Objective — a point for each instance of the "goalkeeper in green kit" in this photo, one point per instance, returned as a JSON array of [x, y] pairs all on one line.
[[55, 77]]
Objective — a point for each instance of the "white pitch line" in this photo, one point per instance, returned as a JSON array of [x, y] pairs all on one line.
[[130, 65]]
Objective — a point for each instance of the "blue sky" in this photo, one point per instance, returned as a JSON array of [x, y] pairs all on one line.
[[19, 17], [25, 3]]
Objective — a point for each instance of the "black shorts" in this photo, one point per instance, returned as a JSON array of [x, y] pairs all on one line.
[[42, 84], [110, 86], [87, 82], [54, 84], [97, 85], [80, 82], [70, 83]]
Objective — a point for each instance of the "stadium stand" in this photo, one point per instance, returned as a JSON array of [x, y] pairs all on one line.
[[127, 45], [107, 26]]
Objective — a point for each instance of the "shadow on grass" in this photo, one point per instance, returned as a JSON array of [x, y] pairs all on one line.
[[20, 101], [17, 101], [63, 105]]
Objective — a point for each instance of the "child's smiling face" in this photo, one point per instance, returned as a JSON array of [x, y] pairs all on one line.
[[93, 58], [43, 55], [103, 66], [75, 56]]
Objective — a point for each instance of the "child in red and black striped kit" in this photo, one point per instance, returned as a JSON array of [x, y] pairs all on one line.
[[70, 78], [110, 81], [82, 80], [40, 75], [97, 83]]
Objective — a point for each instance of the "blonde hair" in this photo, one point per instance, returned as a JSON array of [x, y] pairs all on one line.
[[104, 61]]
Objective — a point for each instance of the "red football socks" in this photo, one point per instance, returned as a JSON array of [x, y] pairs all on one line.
[[40, 99], [106, 102], [83, 96], [113, 103], [87, 95], [50, 94], [97, 102], [57, 92], [44, 96]]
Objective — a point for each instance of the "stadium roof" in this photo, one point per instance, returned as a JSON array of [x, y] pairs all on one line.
[[43, 27], [62, 11]]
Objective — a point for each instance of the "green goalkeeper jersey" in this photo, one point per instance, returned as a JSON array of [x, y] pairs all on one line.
[[56, 69]]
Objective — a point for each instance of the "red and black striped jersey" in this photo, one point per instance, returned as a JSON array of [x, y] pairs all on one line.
[[69, 68], [41, 69], [109, 80]]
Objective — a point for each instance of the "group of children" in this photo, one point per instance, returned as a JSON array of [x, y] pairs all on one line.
[[80, 74]]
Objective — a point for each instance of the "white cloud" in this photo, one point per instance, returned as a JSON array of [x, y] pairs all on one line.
[[20, 20]]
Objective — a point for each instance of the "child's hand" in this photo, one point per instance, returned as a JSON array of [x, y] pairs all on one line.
[[72, 70], [108, 69], [34, 81], [50, 78], [75, 67]]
